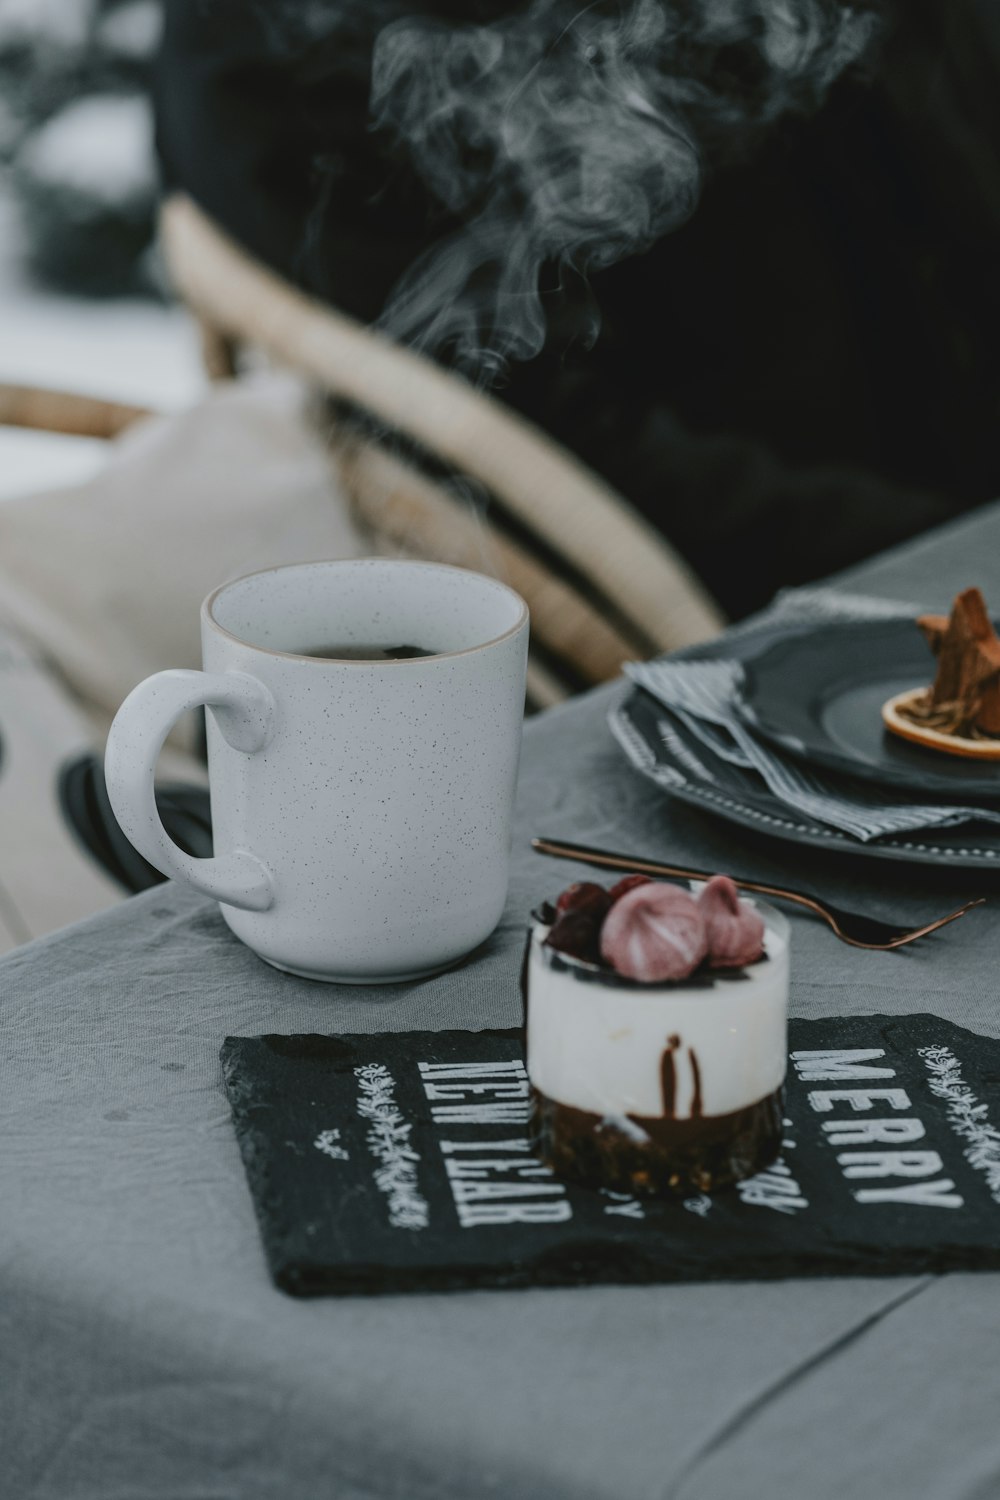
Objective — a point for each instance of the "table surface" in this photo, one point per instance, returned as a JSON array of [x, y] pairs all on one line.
[[145, 1353]]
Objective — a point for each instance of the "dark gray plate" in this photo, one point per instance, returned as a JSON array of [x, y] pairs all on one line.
[[817, 693], [636, 725]]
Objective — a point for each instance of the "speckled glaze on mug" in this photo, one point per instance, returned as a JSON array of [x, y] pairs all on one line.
[[361, 809]]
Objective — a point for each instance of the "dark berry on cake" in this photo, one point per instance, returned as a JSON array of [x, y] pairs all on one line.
[[578, 934], [628, 884], [584, 896]]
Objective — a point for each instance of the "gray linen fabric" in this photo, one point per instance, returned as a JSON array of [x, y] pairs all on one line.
[[703, 697], [144, 1354]]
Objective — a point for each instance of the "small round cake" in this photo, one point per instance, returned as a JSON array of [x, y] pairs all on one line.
[[648, 1084]]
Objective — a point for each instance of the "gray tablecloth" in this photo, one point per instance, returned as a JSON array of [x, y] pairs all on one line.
[[144, 1352]]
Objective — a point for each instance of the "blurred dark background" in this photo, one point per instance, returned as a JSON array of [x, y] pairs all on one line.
[[76, 139]]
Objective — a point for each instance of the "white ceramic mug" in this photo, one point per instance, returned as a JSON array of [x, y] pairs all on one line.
[[360, 809]]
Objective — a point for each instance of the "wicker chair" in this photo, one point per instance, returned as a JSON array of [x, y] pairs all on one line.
[[65, 412], [602, 585]]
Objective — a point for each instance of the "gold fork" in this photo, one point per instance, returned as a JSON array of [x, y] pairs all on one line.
[[851, 927]]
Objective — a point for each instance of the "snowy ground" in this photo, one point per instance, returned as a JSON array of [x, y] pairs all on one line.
[[128, 350]]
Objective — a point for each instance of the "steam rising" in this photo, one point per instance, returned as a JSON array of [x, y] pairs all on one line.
[[563, 137], [567, 138]]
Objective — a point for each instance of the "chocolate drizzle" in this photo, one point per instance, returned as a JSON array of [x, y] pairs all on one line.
[[668, 1079], [696, 1095], [668, 1076]]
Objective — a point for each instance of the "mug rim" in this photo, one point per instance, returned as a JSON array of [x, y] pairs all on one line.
[[209, 618]]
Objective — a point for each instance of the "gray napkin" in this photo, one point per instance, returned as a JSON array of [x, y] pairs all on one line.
[[702, 696]]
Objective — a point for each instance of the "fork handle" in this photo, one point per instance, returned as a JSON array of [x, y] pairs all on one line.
[[582, 854]]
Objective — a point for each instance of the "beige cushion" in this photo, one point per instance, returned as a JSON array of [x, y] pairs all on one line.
[[100, 585], [105, 579]]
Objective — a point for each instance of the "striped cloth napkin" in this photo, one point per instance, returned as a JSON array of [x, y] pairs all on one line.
[[701, 697]]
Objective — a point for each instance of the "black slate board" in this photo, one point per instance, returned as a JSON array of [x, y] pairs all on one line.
[[400, 1163]]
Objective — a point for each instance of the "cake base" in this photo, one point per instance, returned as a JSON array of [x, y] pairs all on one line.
[[653, 1157]]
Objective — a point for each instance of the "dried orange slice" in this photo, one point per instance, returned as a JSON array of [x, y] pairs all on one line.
[[933, 739]]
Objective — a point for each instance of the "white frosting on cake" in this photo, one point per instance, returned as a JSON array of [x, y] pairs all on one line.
[[599, 1046]]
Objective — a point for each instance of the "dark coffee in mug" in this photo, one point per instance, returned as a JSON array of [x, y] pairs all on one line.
[[362, 651]]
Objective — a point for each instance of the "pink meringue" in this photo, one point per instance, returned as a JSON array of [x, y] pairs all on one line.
[[735, 929], [655, 932]]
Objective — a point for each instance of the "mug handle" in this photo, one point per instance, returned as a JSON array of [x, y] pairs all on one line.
[[244, 712]]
